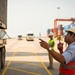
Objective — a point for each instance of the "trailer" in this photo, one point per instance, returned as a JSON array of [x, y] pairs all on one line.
[[3, 27]]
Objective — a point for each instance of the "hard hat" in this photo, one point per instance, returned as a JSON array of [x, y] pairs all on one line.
[[51, 34], [72, 29]]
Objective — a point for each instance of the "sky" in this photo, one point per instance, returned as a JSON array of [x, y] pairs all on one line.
[[36, 15]]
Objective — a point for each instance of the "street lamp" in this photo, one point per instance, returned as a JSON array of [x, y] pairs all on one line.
[[58, 14], [40, 33]]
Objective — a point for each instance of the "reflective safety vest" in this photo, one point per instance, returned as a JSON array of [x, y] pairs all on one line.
[[51, 42], [67, 69]]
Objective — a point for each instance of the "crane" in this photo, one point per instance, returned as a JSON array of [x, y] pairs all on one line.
[[55, 24]]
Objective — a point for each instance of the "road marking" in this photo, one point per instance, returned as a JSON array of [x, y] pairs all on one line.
[[24, 71], [8, 64], [41, 61], [27, 63], [7, 67], [10, 59]]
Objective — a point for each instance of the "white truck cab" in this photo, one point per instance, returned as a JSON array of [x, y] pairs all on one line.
[[30, 36]]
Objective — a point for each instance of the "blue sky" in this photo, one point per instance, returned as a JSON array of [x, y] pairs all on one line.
[[36, 15]]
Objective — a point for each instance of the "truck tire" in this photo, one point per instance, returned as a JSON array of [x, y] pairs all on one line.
[[0, 60], [3, 51]]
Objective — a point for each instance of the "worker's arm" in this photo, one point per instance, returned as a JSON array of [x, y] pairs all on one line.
[[57, 56], [54, 54]]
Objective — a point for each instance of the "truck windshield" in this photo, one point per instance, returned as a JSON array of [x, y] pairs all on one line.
[[30, 34]]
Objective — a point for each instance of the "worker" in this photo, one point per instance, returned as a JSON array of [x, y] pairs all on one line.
[[67, 58], [51, 43]]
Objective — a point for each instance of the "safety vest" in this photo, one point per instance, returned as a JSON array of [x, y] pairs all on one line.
[[51, 42], [67, 69]]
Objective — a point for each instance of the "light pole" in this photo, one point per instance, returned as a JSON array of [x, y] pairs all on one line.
[[40, 33], [58, 14]]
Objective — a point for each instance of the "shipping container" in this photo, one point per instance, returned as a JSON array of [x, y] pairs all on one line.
[[60, 30]]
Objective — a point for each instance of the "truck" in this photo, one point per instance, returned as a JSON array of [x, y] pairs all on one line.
[[30, 36], [3, 27]]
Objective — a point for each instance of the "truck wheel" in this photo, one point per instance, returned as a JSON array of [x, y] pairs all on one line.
[[3, 51], [0, 60]]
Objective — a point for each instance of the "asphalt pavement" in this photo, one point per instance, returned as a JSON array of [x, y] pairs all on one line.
[[27, 58]]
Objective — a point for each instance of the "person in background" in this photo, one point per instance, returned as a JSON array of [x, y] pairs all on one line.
[[67, 58], [52, 44]]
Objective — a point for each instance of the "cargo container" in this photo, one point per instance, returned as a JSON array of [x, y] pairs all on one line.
[[73, 25], [60, 30], [3, 27]]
